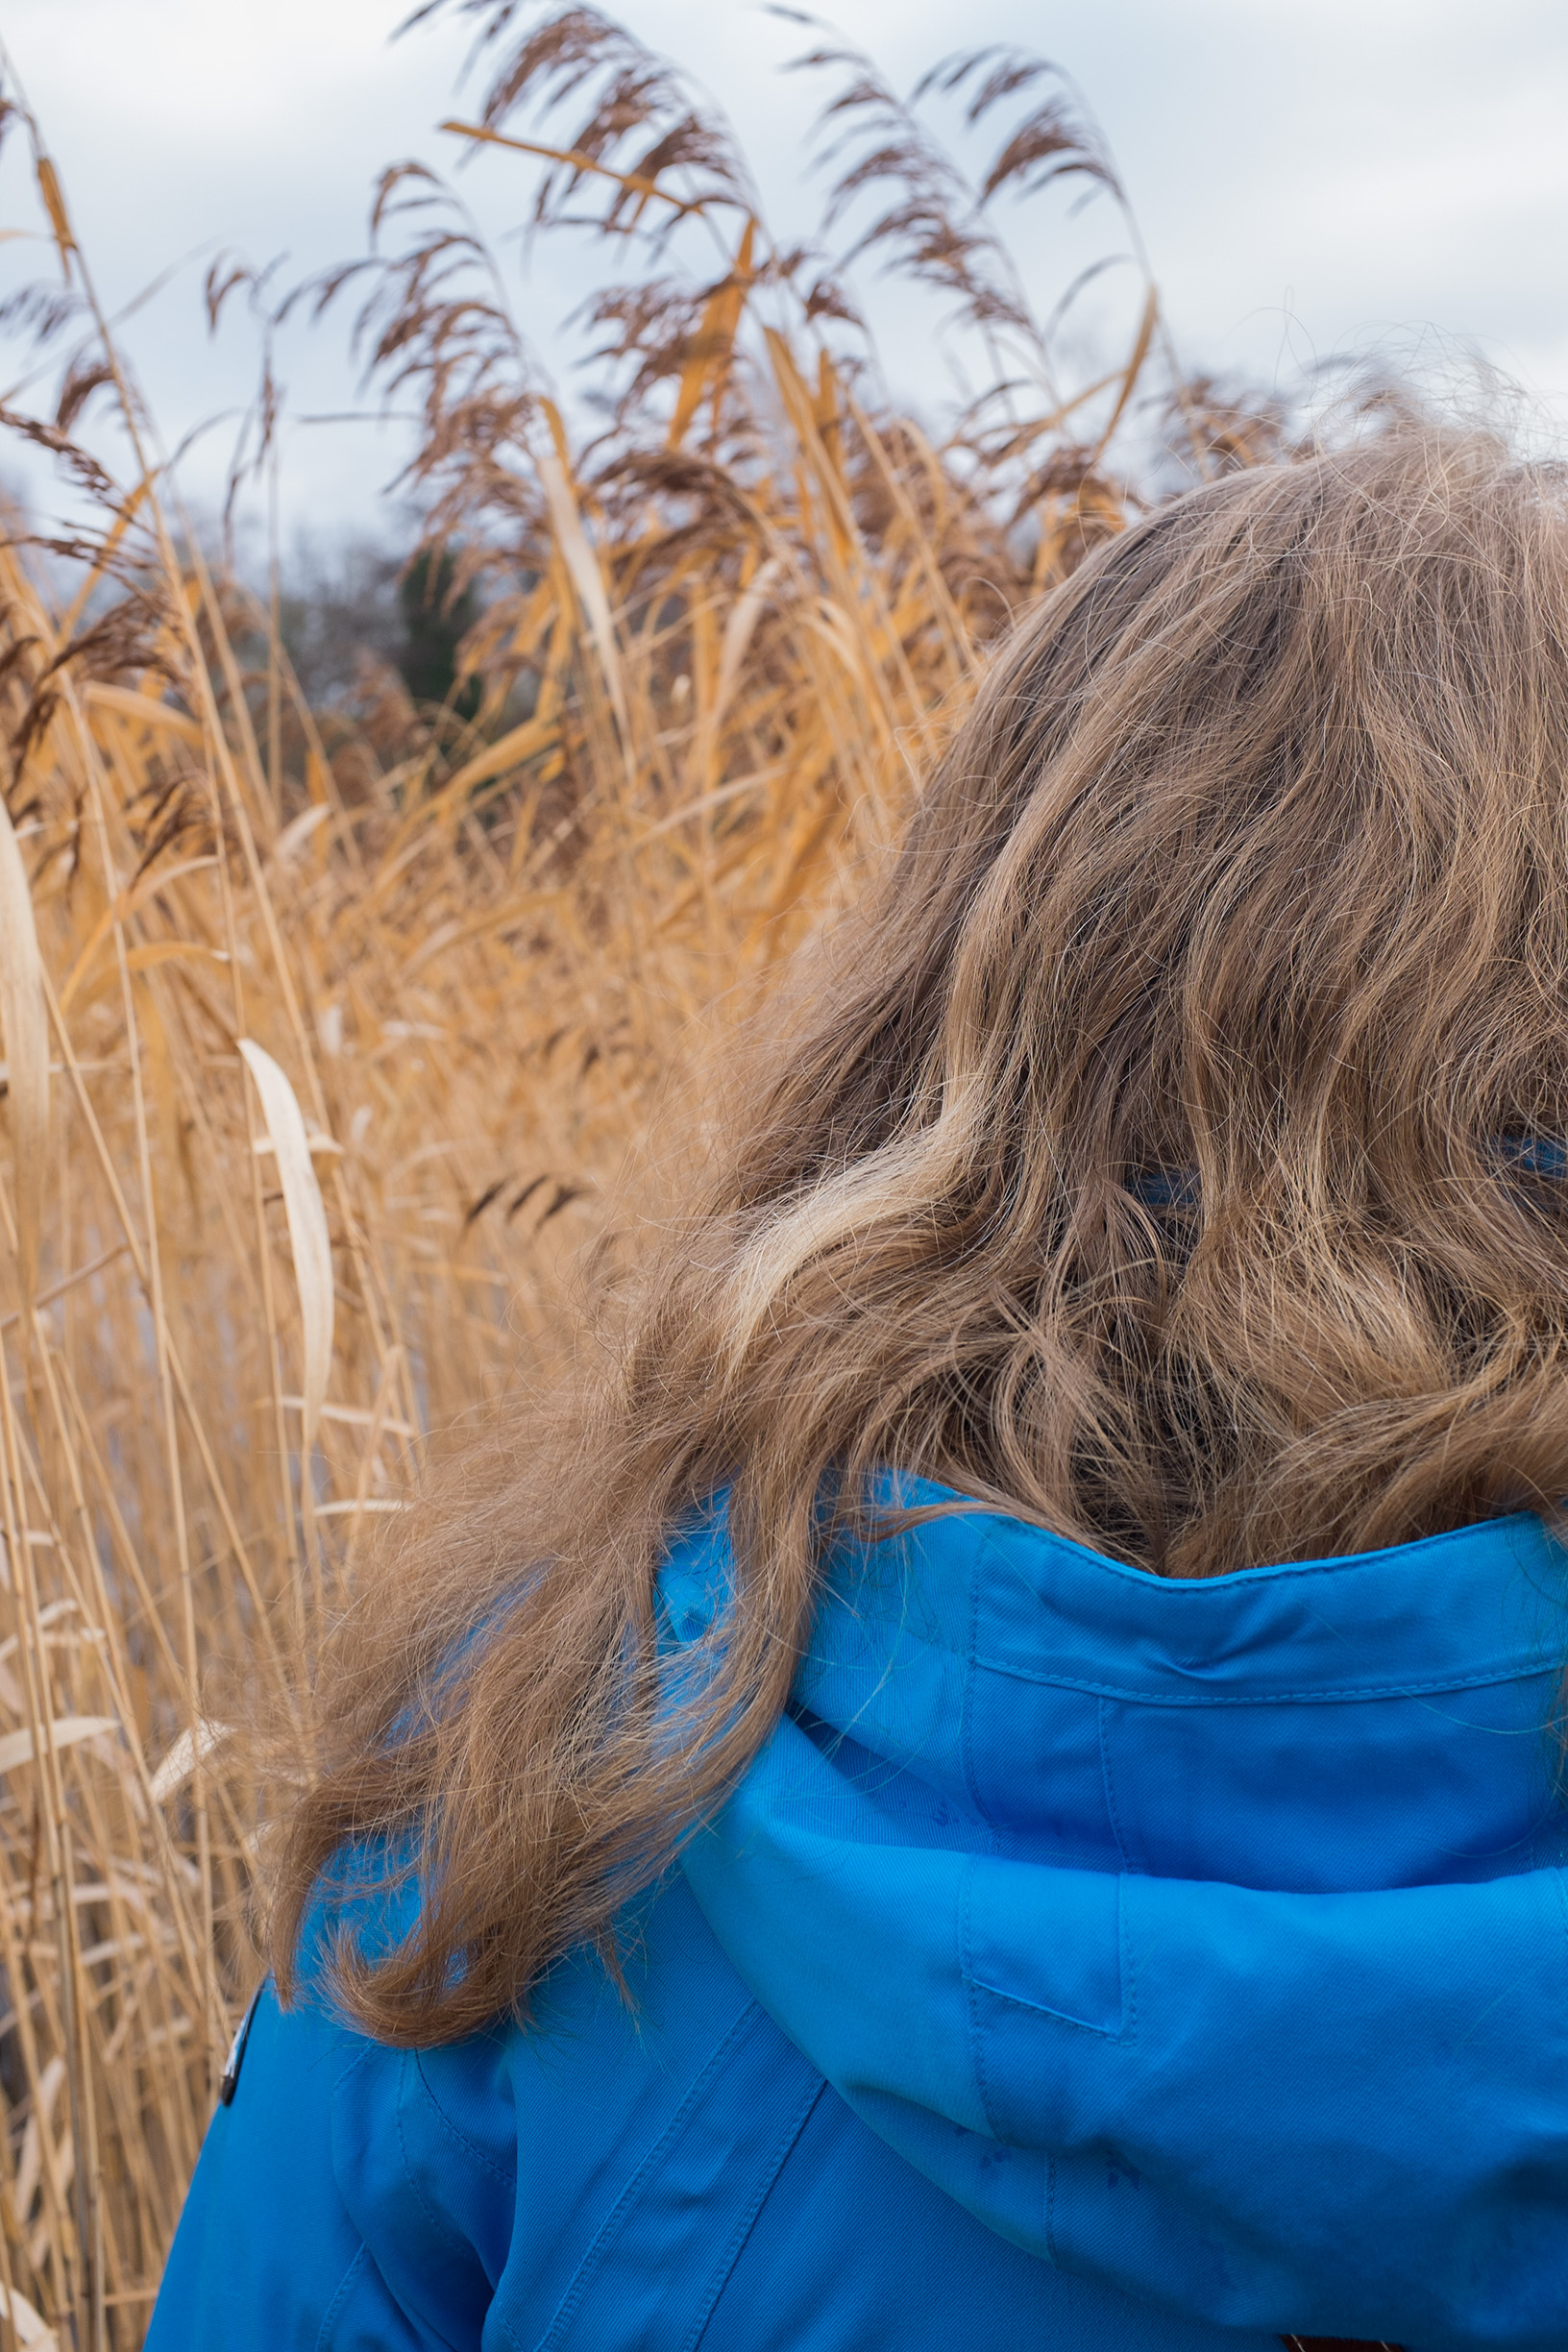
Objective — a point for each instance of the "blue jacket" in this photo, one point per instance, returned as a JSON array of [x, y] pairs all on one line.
[[1088, 1960]]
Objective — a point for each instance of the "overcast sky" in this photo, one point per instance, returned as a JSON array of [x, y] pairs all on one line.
[[1311, 176]]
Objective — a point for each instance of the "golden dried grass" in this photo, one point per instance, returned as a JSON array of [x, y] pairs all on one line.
[[329, 1045]]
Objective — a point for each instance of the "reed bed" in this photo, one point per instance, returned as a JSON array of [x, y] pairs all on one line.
[[333, 1040]]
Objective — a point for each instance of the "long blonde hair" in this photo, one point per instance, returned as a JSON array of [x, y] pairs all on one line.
[[1171, 1152]]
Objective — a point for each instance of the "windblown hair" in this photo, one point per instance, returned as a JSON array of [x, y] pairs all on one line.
[[1171, 1152]]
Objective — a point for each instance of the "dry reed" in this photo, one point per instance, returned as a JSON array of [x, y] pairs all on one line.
[[330, 1042]]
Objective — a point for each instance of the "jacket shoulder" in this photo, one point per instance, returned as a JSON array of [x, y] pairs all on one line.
[[495, 2188]]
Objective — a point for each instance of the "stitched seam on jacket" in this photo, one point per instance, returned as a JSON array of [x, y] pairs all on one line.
[[566, 2309], [438, 2220], [456, 2133], [1127, 1965], [870, 1619], [783, 2148], [448, 2229], [1179, 1591], [966, 1721], [973, 1986], [1318, 1695], [335, 2308], [1108, 1785], [1284, 1572], [1058, 2017], [1513, 1669]]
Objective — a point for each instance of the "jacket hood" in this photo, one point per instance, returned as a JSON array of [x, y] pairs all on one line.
[[1210, 1939]]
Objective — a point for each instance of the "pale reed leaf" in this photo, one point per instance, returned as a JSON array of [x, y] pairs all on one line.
[[743, 616], [25, 1017], [298, 831], [30, 2161], [30, 2328], [587, 579], [308, 1231], [65, 1732], [54, 204], [354, 1416], [509, 749], [263, 1146], [182, 1757], [144, 710]]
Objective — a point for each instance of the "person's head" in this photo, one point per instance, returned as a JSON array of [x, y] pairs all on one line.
[[1175, 1150]]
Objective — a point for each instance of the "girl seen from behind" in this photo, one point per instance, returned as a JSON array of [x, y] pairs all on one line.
[[990, 1775]]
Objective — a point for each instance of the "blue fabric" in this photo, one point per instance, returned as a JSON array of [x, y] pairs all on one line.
[[1088, 1960]]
